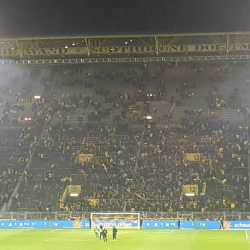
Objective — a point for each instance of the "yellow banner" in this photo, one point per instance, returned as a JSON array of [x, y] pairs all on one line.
[[70, 189], [84, 158], [191, 189], [192, 156], [204, 187], [74, 189]]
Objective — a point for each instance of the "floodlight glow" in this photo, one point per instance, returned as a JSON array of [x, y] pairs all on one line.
[[73, 44], [126, 42], [66, 47], [189, 194], [74, 195], [148, 117], [37, 97]]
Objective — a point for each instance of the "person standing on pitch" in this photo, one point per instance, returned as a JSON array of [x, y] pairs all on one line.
[[221, 224], [101, 232], [104, 234], [179, 223], [114, 233], [96, 232]]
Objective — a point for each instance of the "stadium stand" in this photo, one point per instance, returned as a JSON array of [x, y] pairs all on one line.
[[134, 163]]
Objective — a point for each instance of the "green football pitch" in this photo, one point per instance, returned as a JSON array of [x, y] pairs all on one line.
[[60, 239]]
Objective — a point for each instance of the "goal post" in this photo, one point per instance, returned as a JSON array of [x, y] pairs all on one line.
[[119, 220]]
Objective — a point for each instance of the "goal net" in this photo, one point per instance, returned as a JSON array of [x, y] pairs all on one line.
[[119, 220]]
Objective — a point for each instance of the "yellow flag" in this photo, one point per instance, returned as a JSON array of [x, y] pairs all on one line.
[[93, 202], [139, 196], [105, 168]]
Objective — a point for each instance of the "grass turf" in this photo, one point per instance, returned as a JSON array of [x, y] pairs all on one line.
[[62, 239]]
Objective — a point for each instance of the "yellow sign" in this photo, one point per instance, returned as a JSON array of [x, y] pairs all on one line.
[[192, 156], [84, 158], [191, 189]]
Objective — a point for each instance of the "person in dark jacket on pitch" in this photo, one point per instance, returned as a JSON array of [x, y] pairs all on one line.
[[114, 233], [101, 231], [104, 234]]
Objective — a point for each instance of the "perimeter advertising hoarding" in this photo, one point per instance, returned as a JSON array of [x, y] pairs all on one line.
[[44, 224], [164, 224], [116, 223], [200, 225], [240, 225], [147, 224]]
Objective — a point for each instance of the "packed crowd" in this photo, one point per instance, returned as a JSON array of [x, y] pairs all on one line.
[[131, 168], [144, 170], [16, 149]]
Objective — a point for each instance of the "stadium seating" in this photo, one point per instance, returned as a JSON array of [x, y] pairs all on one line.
[[136, 164]]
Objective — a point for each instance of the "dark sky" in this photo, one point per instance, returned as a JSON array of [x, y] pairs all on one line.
[[34, 18]]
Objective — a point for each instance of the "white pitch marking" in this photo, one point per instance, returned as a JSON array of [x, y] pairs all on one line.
[[246, 234], [172, 231], [53, 230]]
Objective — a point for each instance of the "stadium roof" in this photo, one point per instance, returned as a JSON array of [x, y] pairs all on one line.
[[29, 18], [126, 45]]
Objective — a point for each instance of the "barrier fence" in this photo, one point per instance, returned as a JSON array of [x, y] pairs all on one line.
[[62, 215]]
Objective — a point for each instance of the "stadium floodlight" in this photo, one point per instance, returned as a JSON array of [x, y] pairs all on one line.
[[27, 119], [37, 97], [119, 220], [66, 47], [131, 40], [189, 194], [126, 42], [148, 117], [73, 44], [74, 195]]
